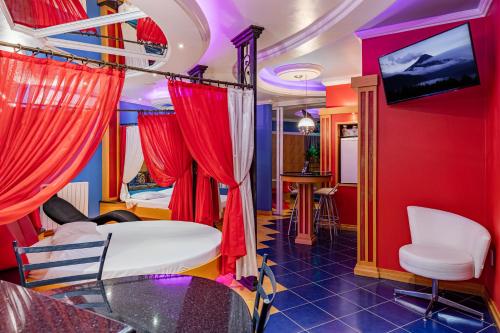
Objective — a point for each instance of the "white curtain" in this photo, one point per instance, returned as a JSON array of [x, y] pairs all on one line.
[[241, 121], [131, 34], [133, 159]]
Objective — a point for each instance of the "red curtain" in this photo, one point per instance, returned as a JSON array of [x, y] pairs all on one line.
[[22, 230], [168, 160], [202, 112], [52, 117], [207, 198], [149, 31], [46, 13]]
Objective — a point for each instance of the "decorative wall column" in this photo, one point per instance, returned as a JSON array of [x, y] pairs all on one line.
[[325, 155], [246, 45], [279, 160], [264, 130], [111, 141], [366, 87], [198, 71]]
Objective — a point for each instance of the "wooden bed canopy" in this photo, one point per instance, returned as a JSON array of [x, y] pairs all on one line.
[[85, 61], [246, 64]]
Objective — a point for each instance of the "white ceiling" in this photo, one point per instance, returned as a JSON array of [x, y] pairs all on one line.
[[318, 32]]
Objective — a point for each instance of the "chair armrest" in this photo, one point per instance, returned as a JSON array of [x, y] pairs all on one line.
[[117, 216]]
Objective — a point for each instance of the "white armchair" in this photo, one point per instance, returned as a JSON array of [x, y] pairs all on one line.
[[445, 246]]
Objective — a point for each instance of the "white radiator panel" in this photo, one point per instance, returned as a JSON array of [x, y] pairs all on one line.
[[76, 194]]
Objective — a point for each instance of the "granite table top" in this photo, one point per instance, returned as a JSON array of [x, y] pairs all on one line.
[[27, 311], [164, 303]]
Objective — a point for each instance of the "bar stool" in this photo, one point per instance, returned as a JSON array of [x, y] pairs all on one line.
[[327, 213], [294, 191]]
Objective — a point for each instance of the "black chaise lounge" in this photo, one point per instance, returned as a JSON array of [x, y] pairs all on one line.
[[63, 212]]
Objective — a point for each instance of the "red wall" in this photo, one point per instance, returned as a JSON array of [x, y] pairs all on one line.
[[340, 95], [347, 196], [493, 151], [431, 151]]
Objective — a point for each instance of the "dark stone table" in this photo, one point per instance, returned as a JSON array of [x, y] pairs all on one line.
[[164, 303], [24, 310]]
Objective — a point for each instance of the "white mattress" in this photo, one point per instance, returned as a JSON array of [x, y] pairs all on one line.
[[159, 247], [161, 203]]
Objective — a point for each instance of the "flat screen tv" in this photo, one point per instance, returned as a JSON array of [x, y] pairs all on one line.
[[437, 64]]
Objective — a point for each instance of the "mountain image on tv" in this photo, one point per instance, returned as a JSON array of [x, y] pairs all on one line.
[[438, 64]]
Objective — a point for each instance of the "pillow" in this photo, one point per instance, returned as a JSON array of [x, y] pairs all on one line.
[[68, 230], [56, 272], [148, 195], [74, 232], [35, 258]]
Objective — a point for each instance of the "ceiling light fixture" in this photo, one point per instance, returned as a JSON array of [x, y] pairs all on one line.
[[181, 46], [306, 125]]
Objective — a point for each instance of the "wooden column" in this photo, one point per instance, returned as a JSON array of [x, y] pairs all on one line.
[[305, 230], [366, 87], [325, 156], [111, 141]]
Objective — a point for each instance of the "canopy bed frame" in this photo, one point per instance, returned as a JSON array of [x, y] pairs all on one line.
[[246, 44]]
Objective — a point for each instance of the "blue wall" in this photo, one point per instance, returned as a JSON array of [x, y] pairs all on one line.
[[131, 117], [288, 126], [263, 122], [92, 173]]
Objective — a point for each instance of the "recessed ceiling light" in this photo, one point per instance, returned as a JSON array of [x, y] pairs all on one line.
[[298, 72], [140, 98], [181, 46]]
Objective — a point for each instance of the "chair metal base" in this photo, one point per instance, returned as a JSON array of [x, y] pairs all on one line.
[[326, 215], [435, 298], [293, 217]]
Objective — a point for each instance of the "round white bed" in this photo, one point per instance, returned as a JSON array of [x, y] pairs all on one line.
[[136, 248], [158, 247]]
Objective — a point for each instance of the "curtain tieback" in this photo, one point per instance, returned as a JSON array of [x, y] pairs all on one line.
[[239, 184]]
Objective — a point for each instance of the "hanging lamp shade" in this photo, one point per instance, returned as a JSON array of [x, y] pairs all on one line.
[[306, 125], [148, 31], [46, 13]]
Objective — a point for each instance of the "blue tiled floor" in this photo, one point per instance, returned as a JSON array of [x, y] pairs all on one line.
[[325, 296]]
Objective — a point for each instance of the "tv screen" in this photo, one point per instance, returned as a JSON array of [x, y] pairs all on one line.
[[437, 64]]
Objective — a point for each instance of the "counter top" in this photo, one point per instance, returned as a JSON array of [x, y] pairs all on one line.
[[27, 311], [307, 174], [306, 178]]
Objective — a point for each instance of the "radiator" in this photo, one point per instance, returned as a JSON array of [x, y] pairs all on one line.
[[76, 194]]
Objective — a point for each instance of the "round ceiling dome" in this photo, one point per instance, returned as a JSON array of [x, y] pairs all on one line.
[[298, 72]]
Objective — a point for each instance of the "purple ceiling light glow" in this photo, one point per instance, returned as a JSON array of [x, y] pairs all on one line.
[[314, 113], [407, 14], [224, 25]]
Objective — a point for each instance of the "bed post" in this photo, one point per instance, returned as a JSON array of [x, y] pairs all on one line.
[[197, 71], [246, 45]]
